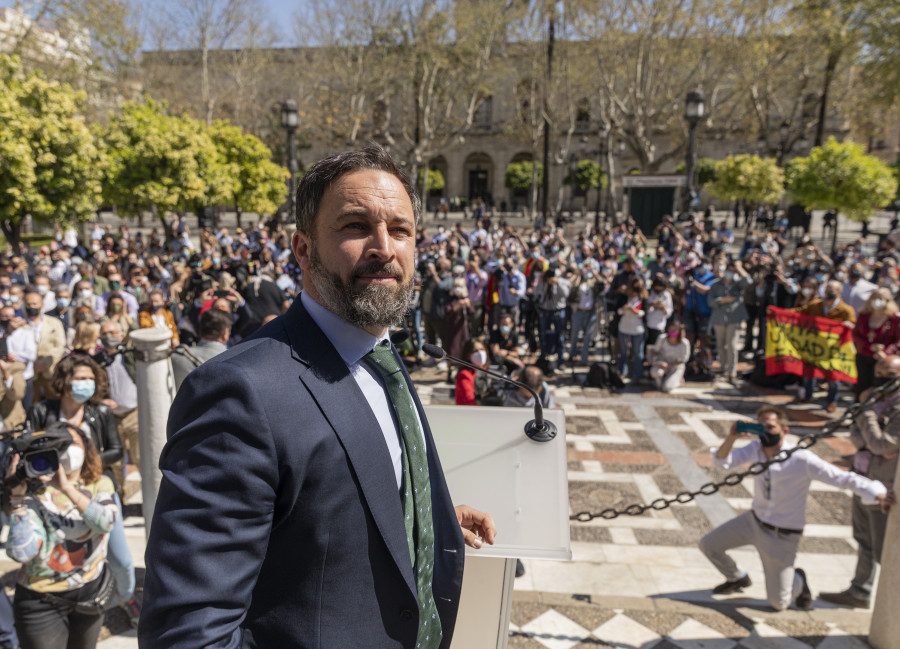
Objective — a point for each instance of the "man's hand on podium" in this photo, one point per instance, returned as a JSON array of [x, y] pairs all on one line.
[[477, 527]]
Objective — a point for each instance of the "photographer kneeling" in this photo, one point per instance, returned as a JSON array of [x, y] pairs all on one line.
[[58, 529]]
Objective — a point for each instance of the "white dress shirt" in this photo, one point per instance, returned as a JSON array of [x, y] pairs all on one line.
[[353, 343], [779, 493], [22, 345]]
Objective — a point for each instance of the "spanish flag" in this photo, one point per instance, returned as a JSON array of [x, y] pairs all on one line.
[[808, 346]]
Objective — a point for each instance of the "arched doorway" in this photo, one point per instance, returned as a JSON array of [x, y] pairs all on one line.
[[478, 171]]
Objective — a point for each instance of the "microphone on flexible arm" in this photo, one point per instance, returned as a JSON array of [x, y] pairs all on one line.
[[537, 429]]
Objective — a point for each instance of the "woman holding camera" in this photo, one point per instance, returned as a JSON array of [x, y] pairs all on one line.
[[83, 384], [59, 532]]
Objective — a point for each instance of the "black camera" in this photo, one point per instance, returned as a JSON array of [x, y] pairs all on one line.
[[38, 452], [104, 358]]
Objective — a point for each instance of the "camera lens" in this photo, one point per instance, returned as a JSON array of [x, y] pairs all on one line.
[[41, 465]]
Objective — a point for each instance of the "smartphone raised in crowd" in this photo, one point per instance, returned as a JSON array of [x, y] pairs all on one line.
[[751, 427]]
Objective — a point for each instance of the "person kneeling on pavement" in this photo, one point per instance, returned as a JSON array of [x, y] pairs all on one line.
[[775, 522], [876, 434]]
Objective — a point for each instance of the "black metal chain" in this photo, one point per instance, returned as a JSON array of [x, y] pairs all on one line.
[[732, 479]]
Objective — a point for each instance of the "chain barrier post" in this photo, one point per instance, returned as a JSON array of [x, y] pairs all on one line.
[[155, 391], [883, 629]]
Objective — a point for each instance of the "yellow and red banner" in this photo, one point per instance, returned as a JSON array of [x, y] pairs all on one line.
[[809, 346]]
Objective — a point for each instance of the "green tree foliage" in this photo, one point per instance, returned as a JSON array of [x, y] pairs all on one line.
[[840, 176], [51, 167], [588, 176], [157, 160], [260, 184], [705, 170], [519, 175], [436, 181], [749, 178]]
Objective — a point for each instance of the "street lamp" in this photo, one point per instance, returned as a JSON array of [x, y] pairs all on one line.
[[290, 120], [601, 154], [573, 168], [783, 131], [694, 110]]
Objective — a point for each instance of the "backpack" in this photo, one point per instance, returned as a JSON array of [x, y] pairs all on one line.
[[603, 375]]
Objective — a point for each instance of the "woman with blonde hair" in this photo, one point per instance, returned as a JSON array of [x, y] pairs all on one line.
[[86, 335], [876, 335]]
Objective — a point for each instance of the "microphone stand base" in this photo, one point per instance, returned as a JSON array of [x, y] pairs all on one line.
[[543, 434]]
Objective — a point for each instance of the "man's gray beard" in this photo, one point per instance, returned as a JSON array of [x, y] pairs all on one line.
[[374, 305]]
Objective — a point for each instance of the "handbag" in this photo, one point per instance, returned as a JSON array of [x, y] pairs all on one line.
[[94, 605]]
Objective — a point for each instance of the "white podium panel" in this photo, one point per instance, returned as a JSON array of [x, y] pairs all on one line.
[[491, 465]]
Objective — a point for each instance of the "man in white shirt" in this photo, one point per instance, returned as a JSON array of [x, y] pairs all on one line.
[[20, 341], [857, 289], [775, 522]]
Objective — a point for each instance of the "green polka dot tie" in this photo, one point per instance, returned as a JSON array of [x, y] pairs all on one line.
[[415, 492]]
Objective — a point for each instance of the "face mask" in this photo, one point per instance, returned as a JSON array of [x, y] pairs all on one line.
[[115, 308], [729, 275], [157, 307], [85, 293], [504, 330], [668, 271], [672, 335], [43, 290], [83, 389], [588, 274], [13, 299], [807, 291], [62, 302], [216, 261], [115, 286], [4, 323], [769, 439], [479, 358], [111, 342], [72, 459], [32, 312], [722, 269], [878, 304], [855, 274], [840, 276], [821, 277], [702, 269], [830, 295], [535, 255]]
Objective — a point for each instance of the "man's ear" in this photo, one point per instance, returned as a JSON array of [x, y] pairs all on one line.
[[301, 245]]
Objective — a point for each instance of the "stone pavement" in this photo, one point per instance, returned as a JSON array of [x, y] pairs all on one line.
[[640, 581]]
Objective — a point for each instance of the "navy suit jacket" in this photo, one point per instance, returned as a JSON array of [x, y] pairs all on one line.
[[278, 521]]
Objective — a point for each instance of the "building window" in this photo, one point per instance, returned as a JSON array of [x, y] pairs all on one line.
[[483, 114]]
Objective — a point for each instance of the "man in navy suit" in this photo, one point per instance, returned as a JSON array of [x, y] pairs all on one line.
[[279, 521]]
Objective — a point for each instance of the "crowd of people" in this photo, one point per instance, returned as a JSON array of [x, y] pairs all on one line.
[[526, 302]]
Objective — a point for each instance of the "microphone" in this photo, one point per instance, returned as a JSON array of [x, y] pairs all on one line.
[[537, 429], [399, 337]]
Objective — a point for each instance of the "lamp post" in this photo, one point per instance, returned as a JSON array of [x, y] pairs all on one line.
[[601, 154], [783, 132], [290, 121], [573, 169], [693, 112]]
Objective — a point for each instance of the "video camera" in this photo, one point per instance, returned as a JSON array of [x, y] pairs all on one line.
[[104, 358], [38, 451]]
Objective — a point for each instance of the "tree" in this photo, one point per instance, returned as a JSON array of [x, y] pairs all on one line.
[[840, 176], [52, 168], [749, 178], [521, 176], [158, 162], [587, 176], [435, 182], [260, 184]]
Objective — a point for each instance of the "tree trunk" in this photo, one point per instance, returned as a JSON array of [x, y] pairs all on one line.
[[12, 231], [830, 66]]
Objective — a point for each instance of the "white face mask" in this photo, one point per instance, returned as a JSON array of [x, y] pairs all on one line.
[[807, 291], [479, 358], [878, 304], [72, 459]]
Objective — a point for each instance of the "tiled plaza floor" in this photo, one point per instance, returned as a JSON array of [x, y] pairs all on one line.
[[641, 582]]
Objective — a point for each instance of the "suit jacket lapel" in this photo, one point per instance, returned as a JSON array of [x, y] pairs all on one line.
[[327, 378]]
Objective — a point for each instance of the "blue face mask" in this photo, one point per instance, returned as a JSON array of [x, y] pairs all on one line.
[[83, 389], [505, 330]]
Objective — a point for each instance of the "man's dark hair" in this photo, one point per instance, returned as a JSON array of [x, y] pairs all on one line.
[[320, 176], [214, 323]]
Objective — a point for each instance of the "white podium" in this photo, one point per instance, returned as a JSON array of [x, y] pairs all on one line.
[[491, 465]]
